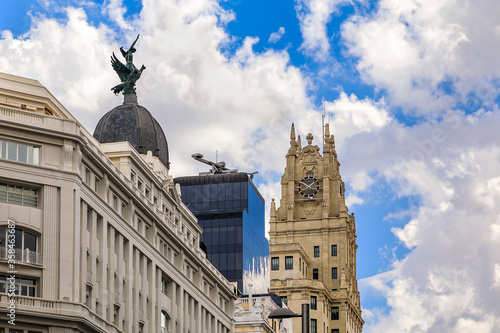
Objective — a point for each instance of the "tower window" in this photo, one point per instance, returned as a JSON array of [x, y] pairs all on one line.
[[335, 313], [315, 273], [334, 272], [316, 252], [275, 263], [288, 262], [314, 304], [335, 330], [334, 250], [284, 299], [314, 326]]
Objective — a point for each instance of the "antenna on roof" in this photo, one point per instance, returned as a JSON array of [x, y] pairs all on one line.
[[323, 121]]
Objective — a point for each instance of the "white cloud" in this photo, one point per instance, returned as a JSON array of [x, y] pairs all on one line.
[[409, 48], [276, 36], [450, 277], [352, 116], [116, 11], [352, 200], [314, 16]]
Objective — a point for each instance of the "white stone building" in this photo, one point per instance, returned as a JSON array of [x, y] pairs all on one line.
[[103, 242]]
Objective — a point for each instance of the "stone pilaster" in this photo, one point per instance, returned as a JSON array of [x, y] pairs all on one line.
[[50, 236]]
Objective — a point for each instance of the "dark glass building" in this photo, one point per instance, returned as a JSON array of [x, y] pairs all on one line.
[[230, 210]]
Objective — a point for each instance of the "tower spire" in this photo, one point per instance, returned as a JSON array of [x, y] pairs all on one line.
[[292, 133]]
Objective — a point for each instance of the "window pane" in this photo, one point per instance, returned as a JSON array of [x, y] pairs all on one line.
[[275, 263], [19, 239], [335, 313], [4, 149], [29, 241], [15, 198], [12, 151], [3, 237], [313, 326], [288, 262], [32, 291], [30, 154], [313, 303], [334, 272], [334, 250], [316, 251], [22, 151], [36, 153]]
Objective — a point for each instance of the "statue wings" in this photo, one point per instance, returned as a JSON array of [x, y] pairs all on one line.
[[120, 69]]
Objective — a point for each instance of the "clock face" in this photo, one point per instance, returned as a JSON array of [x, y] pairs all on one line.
[[308, 186]]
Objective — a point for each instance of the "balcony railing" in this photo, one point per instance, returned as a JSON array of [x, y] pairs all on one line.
[[25, 256]]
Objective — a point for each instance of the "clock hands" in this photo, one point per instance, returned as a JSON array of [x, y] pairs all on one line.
[[307, 186]]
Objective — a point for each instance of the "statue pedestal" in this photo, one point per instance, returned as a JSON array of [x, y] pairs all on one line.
[[130, 99]]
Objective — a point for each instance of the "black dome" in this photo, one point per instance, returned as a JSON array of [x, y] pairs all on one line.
[[135, 124]]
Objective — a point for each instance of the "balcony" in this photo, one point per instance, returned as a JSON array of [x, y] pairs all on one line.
[[23, 256]]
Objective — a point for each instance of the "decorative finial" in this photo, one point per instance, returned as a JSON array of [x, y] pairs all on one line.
[[300, 142], [273, 209], [292, 133], [128, 73], [309, 138], [327, 130]]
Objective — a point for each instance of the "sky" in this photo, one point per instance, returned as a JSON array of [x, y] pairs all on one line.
[[410, 88]]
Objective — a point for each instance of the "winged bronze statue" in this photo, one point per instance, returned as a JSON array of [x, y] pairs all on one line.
[[128, 73]]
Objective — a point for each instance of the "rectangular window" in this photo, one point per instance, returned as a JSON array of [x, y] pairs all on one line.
[[18, 195], [87, 176], [23, 287], [284, 299], [314, 304], [288, 262], [315, 273], [19, 152], [334, 250], [335, 330], [316, 252], [334, 272], [335, 313], [314, 326], [164, 285], [275, 263]]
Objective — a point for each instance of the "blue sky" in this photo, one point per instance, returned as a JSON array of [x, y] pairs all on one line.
[[411, 90]]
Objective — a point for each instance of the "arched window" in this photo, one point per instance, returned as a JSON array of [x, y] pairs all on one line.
[[164, 322], [24, 242]]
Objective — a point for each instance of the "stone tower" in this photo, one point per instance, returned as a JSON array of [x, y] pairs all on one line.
[[313, 240]]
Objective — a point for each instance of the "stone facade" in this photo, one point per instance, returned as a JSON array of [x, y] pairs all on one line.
[[313, 240], [251, 312], [105, 243]]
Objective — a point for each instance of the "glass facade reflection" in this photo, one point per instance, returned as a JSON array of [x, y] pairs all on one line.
[[230, 210]]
